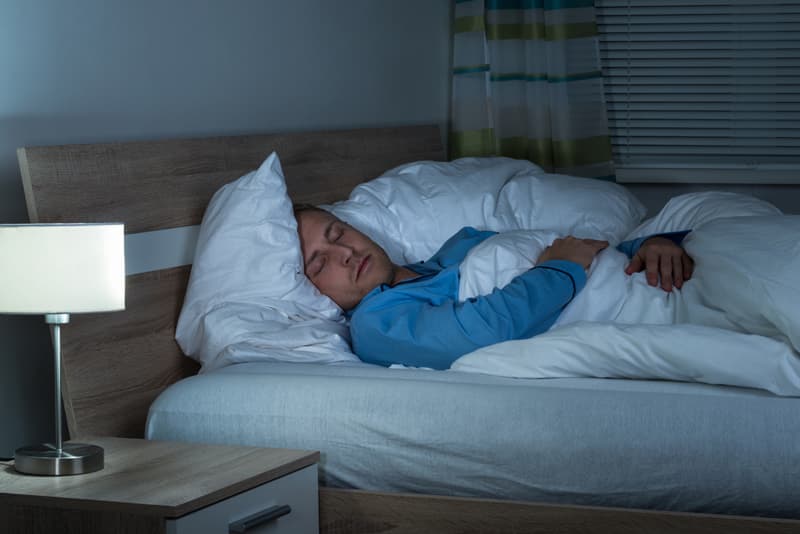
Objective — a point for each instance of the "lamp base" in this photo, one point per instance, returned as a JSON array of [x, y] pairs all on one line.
[[74, 459]]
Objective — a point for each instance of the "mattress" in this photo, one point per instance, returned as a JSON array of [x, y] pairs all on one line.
[[627, 443]]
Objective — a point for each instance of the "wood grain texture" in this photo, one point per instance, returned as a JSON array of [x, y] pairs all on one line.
[[160, 478], [115, 364], [361, 512], [152, 185]]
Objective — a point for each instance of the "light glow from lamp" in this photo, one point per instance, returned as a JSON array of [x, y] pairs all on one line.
[[55, 270]]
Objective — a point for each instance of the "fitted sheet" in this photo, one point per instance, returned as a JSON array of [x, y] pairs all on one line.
[[629, 443]]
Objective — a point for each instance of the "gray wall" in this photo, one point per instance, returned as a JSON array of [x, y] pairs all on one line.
[[103, 70]]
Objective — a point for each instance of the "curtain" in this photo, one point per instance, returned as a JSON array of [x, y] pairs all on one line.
[[527, 84]]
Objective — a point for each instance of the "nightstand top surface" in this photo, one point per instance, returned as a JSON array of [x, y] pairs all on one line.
[[158, 477]]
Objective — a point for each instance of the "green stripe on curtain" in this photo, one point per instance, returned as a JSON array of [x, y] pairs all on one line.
[[471, 69], [551, 153], [472, 143], [476, 23], [537, 150], [537, 31], [517, 77], [547, 153], [577, 152]]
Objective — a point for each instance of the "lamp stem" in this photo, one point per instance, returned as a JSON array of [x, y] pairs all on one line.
[[55, 320], [57, 354]]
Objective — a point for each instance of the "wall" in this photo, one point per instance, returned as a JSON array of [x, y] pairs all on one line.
[[113, 70]]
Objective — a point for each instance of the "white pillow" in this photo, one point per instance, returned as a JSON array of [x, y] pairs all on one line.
[[570, 205], [748, 268], [412, 209], [248, 297], [690, 210]]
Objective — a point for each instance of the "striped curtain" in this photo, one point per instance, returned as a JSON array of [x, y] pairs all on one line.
[[527, 85]]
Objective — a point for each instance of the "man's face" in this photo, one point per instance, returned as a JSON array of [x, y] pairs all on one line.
[[342, 262]]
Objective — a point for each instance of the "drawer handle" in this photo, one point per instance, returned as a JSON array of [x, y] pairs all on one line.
[[265, 516]]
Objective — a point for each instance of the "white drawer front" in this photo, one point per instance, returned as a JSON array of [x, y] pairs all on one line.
[[297, 490]]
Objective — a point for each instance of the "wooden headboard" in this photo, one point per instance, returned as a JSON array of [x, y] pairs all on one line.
[[115, 364]]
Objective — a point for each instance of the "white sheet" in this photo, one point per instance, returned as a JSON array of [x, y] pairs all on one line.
[[629, 443], [737, 322]]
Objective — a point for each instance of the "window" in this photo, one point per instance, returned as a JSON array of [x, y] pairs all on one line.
[[703, 91]]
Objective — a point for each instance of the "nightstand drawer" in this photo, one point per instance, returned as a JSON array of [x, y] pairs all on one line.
[[296, 490]]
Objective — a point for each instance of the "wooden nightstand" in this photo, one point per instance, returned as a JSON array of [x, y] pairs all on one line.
[[150, 487]]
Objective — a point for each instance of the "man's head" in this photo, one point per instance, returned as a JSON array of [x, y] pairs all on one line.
[[342, 262]]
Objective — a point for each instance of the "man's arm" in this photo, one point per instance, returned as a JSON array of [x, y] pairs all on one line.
[[404, 328]]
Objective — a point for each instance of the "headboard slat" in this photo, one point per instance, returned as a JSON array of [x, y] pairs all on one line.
[[115, 364], [151, 185]]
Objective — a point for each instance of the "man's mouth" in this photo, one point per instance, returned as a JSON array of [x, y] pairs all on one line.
[[362, 266]]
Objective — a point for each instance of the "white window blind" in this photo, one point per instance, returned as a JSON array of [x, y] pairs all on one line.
[[702, 90]]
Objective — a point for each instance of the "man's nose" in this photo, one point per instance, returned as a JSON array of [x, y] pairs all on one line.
[[345, 254]]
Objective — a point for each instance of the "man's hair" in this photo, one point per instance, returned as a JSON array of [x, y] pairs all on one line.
[[301, 206]]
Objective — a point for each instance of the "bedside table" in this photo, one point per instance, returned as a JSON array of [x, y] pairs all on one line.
[[150, 487]]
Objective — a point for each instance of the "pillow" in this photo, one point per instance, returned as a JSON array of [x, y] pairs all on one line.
[[412, 209], [247, 296], [747, 267], [570, 205], [691, 210]]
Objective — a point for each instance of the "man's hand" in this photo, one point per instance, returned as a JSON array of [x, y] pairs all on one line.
[[580, 251], [663, 260]]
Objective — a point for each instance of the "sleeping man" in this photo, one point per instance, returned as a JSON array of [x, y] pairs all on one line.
[[411, 314]]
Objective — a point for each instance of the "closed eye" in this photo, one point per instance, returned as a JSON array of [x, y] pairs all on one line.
[[317, 266]]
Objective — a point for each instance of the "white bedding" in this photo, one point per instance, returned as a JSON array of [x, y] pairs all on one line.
[[626, 443], [629, 443], [737, 322], [248, 237]]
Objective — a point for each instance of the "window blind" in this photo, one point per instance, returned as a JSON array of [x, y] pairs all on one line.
[[702, 90]]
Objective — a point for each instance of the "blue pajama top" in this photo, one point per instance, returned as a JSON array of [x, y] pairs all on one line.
[[419, 322]]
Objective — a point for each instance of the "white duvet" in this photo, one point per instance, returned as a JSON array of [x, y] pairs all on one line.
[[737, 322]]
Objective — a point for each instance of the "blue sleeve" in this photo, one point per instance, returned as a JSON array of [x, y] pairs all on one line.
[[630, 248], [419, 333]]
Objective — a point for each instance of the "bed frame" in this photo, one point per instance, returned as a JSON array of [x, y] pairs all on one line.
[[115, 364]]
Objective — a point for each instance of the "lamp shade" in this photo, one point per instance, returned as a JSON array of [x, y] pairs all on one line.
[[62, 268]]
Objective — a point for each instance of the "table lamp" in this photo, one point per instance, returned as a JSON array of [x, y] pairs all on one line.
[[55, 270]]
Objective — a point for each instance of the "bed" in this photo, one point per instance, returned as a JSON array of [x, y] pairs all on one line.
[[505, 479]]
